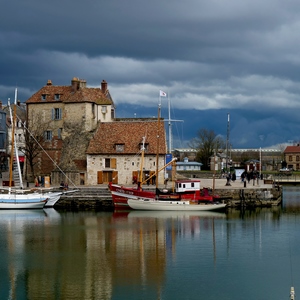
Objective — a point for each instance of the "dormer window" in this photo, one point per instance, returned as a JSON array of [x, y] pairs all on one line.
[[146, 145], [119, 147], [44, 96], [57, 96]]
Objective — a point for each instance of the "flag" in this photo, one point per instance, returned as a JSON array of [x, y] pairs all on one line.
[[162, 94]]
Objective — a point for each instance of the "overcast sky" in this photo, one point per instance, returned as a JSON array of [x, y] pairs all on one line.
[[212, 57]]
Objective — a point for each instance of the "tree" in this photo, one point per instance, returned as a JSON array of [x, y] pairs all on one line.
[[206, 143], [33, 140]]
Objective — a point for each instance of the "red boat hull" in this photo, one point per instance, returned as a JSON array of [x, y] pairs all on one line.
[[120, 195]]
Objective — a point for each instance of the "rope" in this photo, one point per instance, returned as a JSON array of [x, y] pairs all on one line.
[[47, 153]]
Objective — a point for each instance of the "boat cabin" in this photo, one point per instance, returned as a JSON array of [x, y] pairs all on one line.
[[187, 185]]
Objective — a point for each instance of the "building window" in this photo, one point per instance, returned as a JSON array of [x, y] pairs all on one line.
[[119, 147], [59, 130], [104, 109], [297, 158], [56, 113], [57, 96], [44, 96], [93, 110], [110, 163], [290, 158], [107, 162], [48, 135]]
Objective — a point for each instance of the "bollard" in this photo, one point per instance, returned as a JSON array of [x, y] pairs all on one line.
[[245, 184]]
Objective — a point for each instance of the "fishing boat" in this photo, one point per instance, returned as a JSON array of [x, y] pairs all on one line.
[[187, 196], [186, 191], [185, 205]]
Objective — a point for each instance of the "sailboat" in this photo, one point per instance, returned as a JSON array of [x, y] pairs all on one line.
[[186, 196], [52, 196], [17, 199]]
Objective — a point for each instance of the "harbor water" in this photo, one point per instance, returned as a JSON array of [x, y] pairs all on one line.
[[251, 254]]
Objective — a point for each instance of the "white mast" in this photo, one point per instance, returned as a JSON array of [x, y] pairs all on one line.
[[170, 125], [16, 147], [14, 142], [170, 128]]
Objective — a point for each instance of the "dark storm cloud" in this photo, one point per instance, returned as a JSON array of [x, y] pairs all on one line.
[[211, 57]]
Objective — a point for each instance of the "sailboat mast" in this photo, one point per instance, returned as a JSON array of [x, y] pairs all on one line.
[[158, 131], [142, 161], [13, 121], [170, 125]]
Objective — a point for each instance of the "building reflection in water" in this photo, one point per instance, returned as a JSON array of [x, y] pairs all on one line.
[[86, 255]]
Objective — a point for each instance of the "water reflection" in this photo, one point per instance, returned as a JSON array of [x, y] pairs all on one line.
[[47, 254], [291, 203]]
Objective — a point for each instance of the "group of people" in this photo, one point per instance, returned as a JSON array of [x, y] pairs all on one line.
[[64, 185], [248, 176]]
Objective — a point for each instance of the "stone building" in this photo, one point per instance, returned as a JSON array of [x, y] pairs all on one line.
[[67, 117], [292, 157], [114, 153]]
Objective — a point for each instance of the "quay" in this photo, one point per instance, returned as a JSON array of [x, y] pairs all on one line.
[[262, 193]]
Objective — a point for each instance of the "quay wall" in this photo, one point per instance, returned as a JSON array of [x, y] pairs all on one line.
[[99, 198]]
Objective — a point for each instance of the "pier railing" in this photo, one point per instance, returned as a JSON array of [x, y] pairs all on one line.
[[286, 178]]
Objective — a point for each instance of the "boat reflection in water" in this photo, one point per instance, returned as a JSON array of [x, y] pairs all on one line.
[[46, 254], [175, 214]]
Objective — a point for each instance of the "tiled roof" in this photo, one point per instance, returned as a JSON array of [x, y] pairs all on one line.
[[292, 149], [69, 94], [130, 134]]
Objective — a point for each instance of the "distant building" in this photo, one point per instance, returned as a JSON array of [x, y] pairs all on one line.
[[181, 153], [292, 157], [187, 165]]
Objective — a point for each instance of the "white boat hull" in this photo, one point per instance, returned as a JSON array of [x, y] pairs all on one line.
[[22, 201], [173, 205], [22, 205]]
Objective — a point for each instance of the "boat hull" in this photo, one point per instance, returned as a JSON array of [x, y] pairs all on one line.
[[174, 205], [22, 201], [22, 205], [121, 194]]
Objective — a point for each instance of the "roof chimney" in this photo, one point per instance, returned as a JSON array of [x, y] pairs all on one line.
[[49, 82], [104, 86], [75, 84]]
